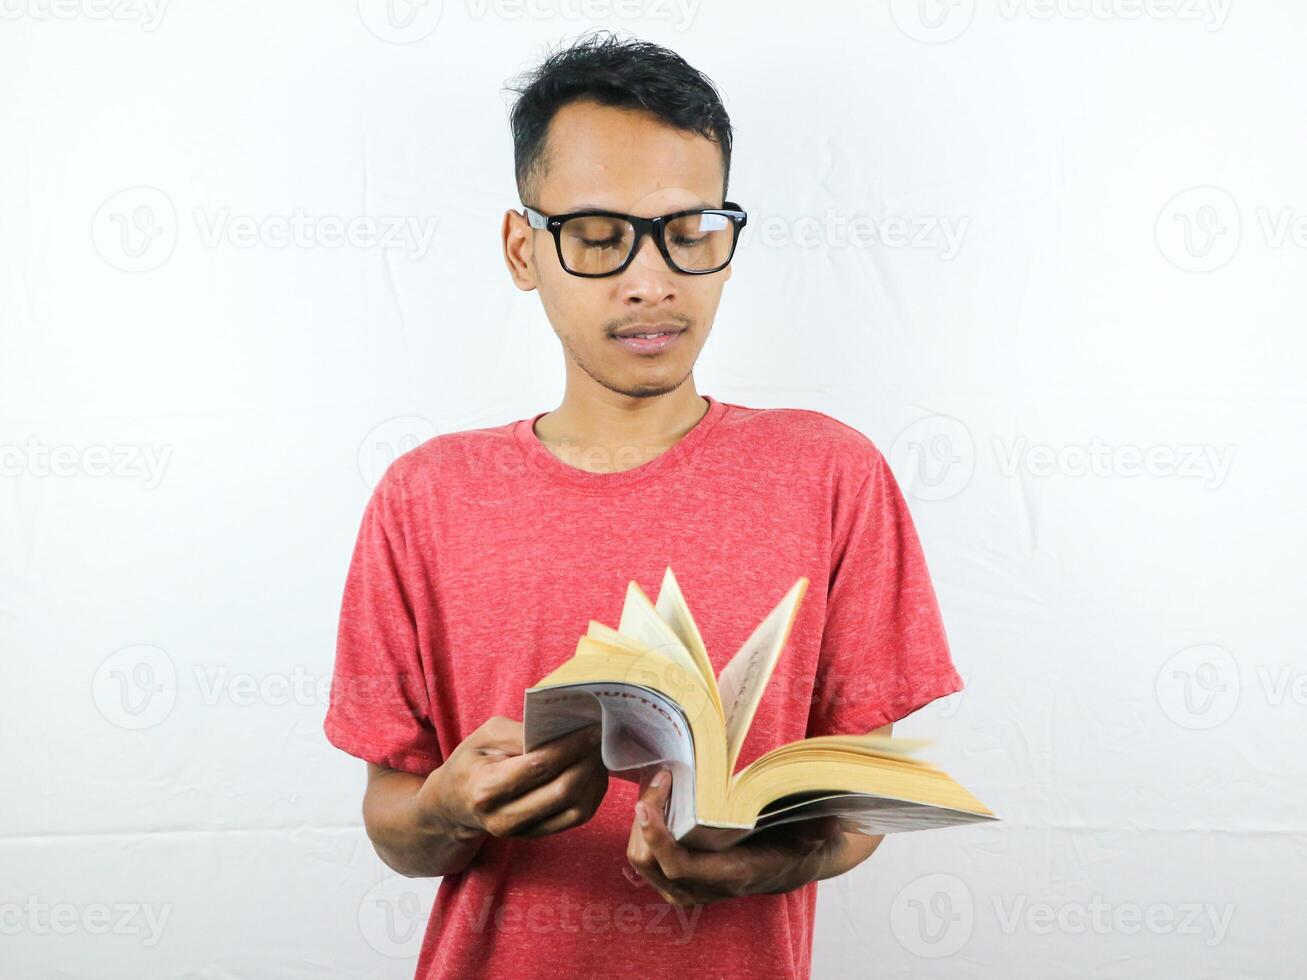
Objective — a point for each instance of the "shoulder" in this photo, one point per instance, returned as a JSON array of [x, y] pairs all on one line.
[[810, 438], [446, 459]]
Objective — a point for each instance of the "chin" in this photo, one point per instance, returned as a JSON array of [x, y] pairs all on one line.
[[646, 387]]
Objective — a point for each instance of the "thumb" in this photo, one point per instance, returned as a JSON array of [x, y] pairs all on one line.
[[656, 788]]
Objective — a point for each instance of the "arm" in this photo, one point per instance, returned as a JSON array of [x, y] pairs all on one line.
[[847, 851], [416, 841], [434, 825]]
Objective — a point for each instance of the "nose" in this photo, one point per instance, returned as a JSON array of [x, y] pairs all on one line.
[[648, 279], [648, 253], [648, 276]]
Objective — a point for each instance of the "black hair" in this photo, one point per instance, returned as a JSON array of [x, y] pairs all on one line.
[[630, 74]]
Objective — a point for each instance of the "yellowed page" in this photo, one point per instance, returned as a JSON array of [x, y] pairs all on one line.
[[642, 624], [606, 634], [744, 679], [675, 611]]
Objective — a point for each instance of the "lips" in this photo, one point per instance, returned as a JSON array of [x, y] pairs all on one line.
[[662, 339], [650, 329]]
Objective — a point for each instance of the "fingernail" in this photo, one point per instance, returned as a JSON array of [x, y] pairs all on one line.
[[642, 814], [660, 780]]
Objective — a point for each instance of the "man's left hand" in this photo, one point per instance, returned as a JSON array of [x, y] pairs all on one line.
[[767, 862]]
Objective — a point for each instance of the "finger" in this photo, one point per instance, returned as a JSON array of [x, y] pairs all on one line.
[[653, 852], [581, 785], [500, 734], [691, 875], [650, 810], [586, 801], [638, 852], [515, 776]]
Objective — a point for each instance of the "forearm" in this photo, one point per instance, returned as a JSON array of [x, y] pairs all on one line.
[[415, 846], [836, 855], [846, 853]]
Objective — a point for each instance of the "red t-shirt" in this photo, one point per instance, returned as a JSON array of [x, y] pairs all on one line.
[[481, 559]]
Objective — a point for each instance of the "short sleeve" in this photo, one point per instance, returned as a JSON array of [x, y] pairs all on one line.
[[379, 709], [884, 653]]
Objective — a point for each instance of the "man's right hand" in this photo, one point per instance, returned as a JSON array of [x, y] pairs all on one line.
[[489, 785]]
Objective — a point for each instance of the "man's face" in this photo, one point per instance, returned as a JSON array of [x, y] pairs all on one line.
[[627, 161]]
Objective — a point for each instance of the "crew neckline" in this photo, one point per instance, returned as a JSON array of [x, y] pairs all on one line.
[[550, 466]]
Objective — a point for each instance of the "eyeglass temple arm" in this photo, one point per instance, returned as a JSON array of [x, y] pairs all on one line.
[[534, 218], [537, 220]]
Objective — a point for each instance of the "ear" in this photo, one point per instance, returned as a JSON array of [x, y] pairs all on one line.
[[519, 250]]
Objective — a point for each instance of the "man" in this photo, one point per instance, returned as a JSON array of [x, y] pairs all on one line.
[[484, 554]]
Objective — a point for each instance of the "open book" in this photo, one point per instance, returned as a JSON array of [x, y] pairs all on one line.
[[651, 684]]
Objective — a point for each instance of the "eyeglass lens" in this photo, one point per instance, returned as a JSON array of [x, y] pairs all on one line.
[[698, 242]]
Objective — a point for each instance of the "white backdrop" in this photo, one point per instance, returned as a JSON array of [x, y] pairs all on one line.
[[1048, 255]]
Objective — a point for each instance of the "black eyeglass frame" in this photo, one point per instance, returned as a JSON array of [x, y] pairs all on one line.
[[651, 226]]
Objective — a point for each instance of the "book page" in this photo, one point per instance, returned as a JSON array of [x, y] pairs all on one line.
[[606, 634], [641, 622], [744, 679], [879, 746], [674, 610], [665, 662], [867, 814]]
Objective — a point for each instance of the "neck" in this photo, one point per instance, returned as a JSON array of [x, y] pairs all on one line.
[[606, 431]]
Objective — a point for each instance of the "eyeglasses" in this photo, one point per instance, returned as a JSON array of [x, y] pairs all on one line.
[[698, 241]]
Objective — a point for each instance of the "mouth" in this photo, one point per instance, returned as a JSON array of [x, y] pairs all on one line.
[[649, 340]]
